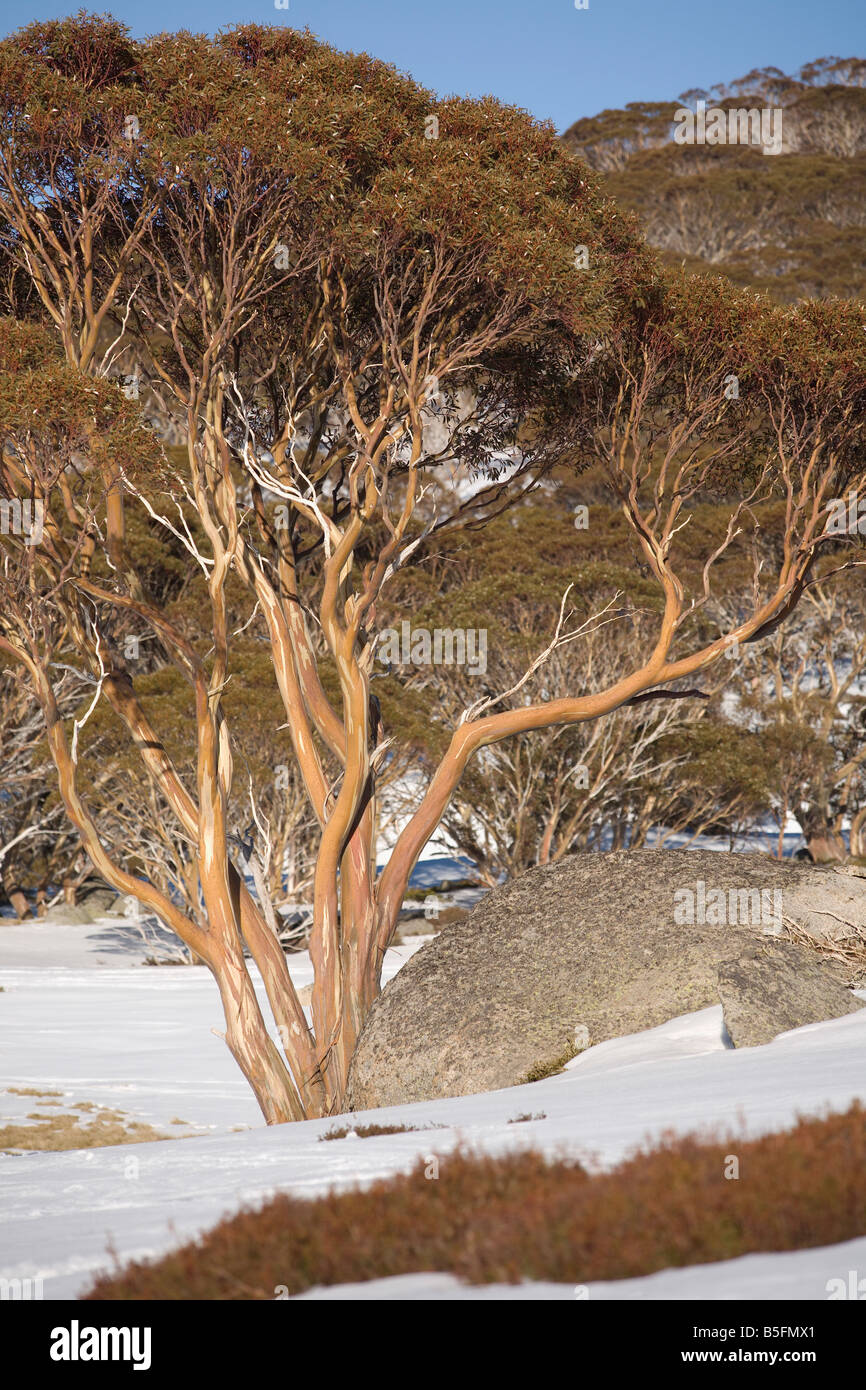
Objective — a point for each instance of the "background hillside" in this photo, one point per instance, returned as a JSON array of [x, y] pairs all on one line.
[[793, 224]]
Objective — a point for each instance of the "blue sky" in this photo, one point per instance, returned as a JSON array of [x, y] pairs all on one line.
[[558, 62]]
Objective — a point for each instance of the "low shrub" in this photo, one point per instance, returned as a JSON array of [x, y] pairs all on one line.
[[522, 1216], [371, 1131]]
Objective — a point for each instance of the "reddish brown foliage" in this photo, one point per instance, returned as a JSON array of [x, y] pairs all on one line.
[[522, 1217]]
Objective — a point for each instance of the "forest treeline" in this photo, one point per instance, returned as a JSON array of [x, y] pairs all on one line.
[[792, 224]]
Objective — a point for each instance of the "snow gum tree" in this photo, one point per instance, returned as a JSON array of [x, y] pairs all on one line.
[[375, 315]]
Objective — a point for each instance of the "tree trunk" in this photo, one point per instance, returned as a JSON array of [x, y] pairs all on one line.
[[253, 1049], [20, 904], [825, 846], [858, 835]]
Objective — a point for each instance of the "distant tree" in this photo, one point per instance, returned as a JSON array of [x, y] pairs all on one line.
[[808, 697], [847, 72], [37, 844], [790, 227]]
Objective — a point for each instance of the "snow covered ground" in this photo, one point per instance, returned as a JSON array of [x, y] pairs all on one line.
[[803, 1274], [79, 1014]]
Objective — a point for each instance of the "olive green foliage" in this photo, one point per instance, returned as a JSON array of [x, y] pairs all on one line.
[[352, 185], [791, 224], [334, 146]]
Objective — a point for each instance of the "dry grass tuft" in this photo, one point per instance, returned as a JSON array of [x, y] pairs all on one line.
[[69, 1131], [30, 1091], [540, 1071], [849, 951], [371, 1131]]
